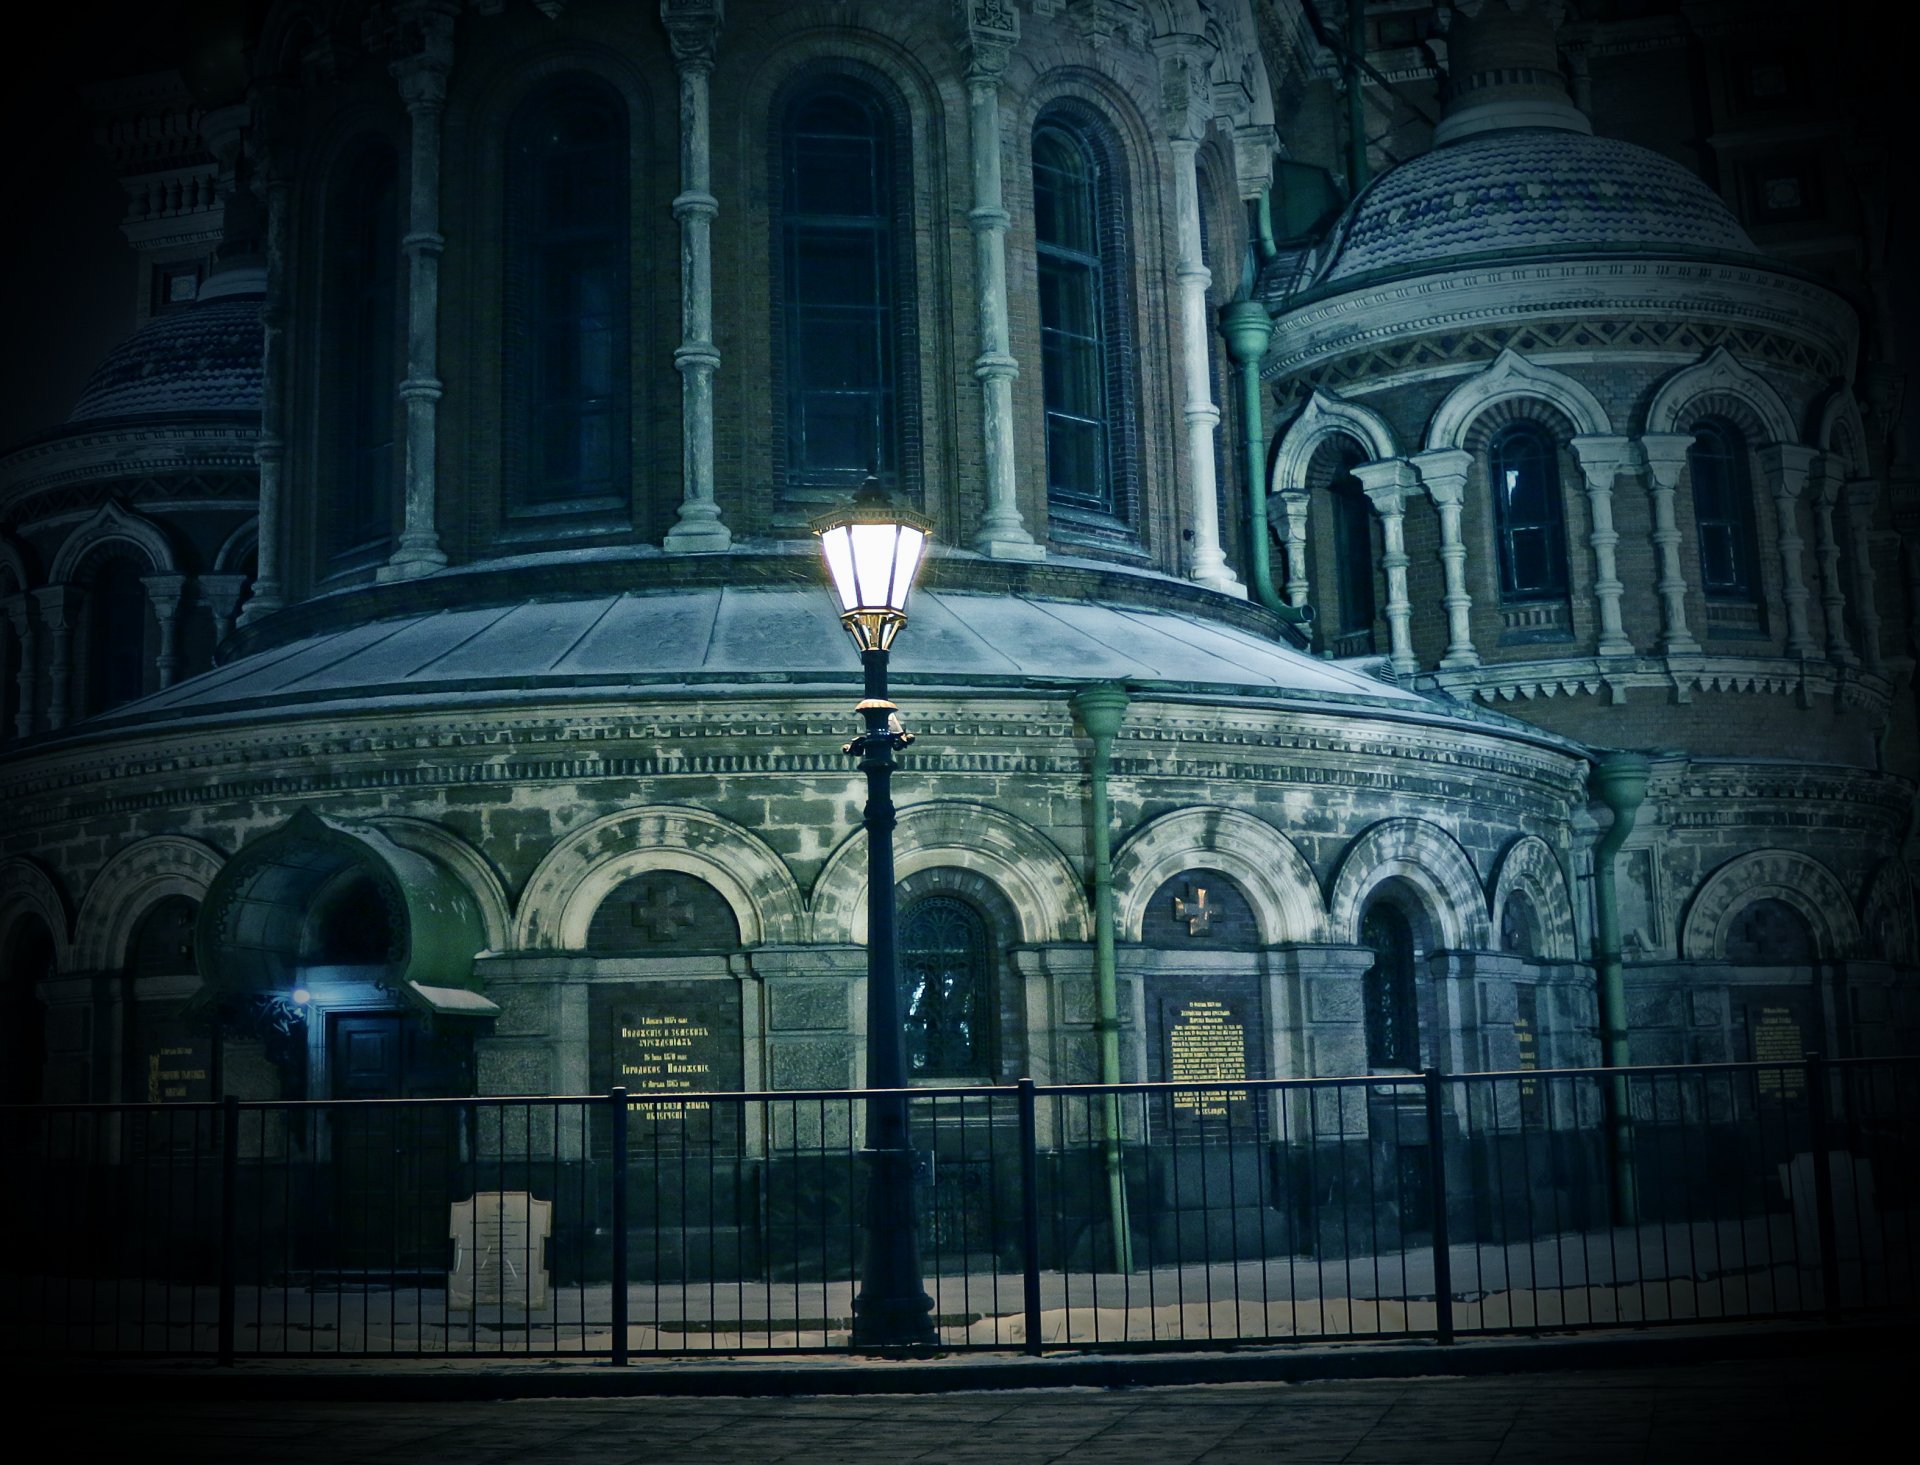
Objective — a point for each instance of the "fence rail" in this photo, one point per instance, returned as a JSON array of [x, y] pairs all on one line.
[[602, 1226]]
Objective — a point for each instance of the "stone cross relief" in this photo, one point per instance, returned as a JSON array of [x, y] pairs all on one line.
[[1195, 911], [658, 915]]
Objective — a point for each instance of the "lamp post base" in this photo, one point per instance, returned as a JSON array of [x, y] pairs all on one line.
[[893, 1310]]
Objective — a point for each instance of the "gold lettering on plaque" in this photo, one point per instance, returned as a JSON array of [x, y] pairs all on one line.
[[1206, 1045], [664, 1054], [1775, 1035]]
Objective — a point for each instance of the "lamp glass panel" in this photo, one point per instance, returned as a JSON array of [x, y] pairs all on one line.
[[913, 543], [873, 548], [836, 545]]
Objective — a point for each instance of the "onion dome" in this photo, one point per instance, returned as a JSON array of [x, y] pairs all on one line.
[[203, 359]]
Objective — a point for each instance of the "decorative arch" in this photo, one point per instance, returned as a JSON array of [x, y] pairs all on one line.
[[1021, 862], [567, 886], [27, 888], [1887, 922], [1262, 861], [1426, 858], [1840, 430], [1507, 376], [468, 865], [1531, 867], [1323, 417], [112, 522], [13, 565], [231, 557], [1719, 374], [1770, 874], [127, 887]]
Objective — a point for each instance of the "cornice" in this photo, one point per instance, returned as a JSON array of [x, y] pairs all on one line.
[[1678, 677], [130, 449]]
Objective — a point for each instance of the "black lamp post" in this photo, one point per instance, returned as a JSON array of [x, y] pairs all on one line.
[[873, 550]]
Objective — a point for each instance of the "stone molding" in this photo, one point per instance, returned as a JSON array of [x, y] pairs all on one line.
[[136, 450], [1511, 375], [1427, 858], [1798, 879], [1327, 414], [468, 865], [127, 887], [26, 888], [1887, 918], [1530, 865], [112, 522], [1678, 676], [1277, 880], [1718, 371]]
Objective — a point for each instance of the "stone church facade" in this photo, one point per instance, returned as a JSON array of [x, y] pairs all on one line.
[[417, 614]]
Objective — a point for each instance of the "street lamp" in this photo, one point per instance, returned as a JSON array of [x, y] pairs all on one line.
[[873, 550]]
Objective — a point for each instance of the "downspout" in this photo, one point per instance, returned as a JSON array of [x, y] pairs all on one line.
[[1247, 329], [1356, 102], [1618, 780], [1101, 710]]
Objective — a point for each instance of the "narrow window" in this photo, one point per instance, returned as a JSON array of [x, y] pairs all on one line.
[[116, 636], [840, 303], [567, 337], [1073, 338], [1393, 1028], [1722, 511], [1525, 473], [947, 963], [357, 521], [1353, 553]]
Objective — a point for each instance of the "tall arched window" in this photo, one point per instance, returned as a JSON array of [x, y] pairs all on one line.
[[1723, 511], [356, 517], [1524, 470], [1392, 1018], [1080, 242], [569, 412], [947, 962], [842, 308], [116, 635], [1353, 554]]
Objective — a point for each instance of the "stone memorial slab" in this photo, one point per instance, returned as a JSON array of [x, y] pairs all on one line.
[[1776, 1033], [663, 1039], [499, 1251], [1210, 1031]]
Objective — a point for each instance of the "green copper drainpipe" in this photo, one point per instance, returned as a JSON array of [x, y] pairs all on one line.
[[1619, 780], [1247, 329], [1101, 710]]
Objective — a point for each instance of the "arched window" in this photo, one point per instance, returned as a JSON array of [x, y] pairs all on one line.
[[842, 309], [1770, 932], [356, 516], [1524, 470], [1080, 240], [1723, 511], [947, 962], [1352, 553], [1519, 926], [116, 635], [1392, 1018], [569, 413]]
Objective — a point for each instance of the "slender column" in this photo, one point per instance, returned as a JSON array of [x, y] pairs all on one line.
[[1601, 459], [1293, 504], [220, 594], [1789, 465], [163, 594], [1387, 484], [422, 75], [269, 453], [1861, 494], [55, 601], [693, 27], [991, 32], [1444, 472], [1665, 454], [1829, 484], [17, 612]]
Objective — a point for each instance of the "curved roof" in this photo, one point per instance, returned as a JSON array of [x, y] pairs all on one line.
[[200, 358], [1523, 190], [617, 646]]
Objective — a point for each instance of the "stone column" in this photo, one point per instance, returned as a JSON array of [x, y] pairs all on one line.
[[163, 594], [1601, 458], [272, 104], [1665, 454], [1387, 484], [424, 47], [991, 31], [1861, 494], [1828, 484], [220, 594], [693, 28], [56, 605], [1294, 505], [18, 614], [1444, 472], [1789, 464]]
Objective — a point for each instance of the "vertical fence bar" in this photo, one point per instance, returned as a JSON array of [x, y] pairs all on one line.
[[1030, 1214], [1817, 1098], [229, 1207], [617, 1280], [1442, 1246]]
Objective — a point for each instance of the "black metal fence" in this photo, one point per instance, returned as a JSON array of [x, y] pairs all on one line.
[[1048, 1216]]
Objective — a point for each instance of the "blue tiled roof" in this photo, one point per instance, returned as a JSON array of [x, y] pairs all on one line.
[[1527, 189], [202, 358]]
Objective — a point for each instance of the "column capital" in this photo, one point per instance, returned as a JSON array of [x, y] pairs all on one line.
[[220, 593], [164, 591], [1254, 144], [1602, 457], [693, 30], [1186, 98], [1444, 472], [14, 608], [989, 30], [1387, 483], [1665, 454], [419, 43], [1790, 464], [55, 601]]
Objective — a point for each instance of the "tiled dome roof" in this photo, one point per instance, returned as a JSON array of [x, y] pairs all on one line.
[[1527, 189], [203, 358]]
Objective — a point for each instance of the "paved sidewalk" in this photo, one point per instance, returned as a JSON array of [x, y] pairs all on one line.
[[1821, 1408]]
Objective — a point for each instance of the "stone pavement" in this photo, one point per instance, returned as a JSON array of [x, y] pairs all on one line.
[[1798, 1408]]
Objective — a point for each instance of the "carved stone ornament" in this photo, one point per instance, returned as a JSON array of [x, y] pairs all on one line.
[[693, 28]]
